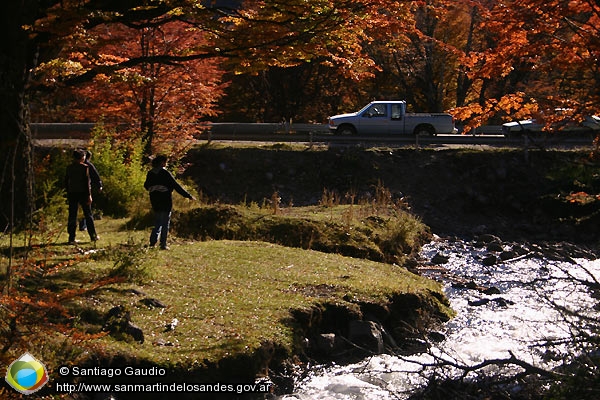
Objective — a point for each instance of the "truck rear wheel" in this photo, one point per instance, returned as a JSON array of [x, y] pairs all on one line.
[[424, 130]]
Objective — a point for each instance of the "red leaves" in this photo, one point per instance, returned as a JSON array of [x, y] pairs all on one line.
[[582, 198], [510, 106], [536, 56], [38, 305], [152, 96], [558, 39]]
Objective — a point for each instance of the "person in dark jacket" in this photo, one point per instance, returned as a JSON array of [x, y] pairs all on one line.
[[96, 183], [79, 193], [160, 184]]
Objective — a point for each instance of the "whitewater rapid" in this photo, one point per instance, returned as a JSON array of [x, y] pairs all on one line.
[[527, 307]]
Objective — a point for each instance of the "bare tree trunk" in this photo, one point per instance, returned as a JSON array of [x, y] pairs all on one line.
[[16, 145], [464, 82]]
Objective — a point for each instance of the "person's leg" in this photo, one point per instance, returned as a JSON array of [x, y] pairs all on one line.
[[82, 224], [72, 219], [157, 228], [164, 230], [89, 219]]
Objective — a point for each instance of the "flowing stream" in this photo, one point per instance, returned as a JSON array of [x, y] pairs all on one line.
[[510, 300]]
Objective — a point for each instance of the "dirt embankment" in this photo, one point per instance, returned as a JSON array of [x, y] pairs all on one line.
[[455, 192]]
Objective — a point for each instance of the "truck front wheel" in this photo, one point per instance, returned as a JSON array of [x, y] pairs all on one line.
[[424, 130], [346, 130]]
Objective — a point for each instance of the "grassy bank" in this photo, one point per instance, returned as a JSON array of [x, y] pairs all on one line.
[[374, 231], [211, 306]]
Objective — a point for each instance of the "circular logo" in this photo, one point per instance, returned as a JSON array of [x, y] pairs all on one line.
[[26, 374]]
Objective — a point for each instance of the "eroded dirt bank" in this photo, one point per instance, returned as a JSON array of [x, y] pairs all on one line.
[[455, 192]]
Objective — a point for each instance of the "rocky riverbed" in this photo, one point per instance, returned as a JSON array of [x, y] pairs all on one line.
[[522, 310]]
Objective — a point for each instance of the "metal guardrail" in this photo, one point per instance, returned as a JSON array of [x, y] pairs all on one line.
[[78, 130], [82, 130]]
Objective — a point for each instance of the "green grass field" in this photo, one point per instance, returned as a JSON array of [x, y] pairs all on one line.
[[229, 297]]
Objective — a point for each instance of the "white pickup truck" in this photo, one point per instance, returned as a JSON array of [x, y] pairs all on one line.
[[390, 117]]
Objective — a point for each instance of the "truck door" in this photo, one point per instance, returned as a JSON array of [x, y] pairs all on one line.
[[398, 121], [375, 120]]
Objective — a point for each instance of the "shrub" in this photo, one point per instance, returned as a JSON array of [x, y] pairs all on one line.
[[51, 201], [401, 235], [119, 164], [130, 263]]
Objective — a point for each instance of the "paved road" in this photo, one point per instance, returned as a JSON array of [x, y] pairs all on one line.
[[318, 133]]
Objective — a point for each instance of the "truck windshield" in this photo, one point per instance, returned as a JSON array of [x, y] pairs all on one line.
[[376, 110]]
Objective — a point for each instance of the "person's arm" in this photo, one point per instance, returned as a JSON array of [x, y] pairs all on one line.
[[66, 180], [147, 182], [89, 183], [178, 188], [95, 176]]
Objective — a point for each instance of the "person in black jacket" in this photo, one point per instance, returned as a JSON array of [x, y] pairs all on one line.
[[160, 183], [79, 193], [94, 179]]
